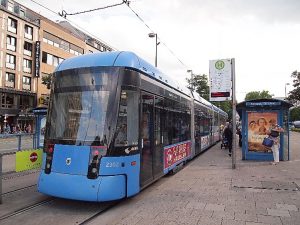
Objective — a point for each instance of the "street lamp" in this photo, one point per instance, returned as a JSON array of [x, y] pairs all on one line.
[[285, 89], [192, 79], [152, 35]]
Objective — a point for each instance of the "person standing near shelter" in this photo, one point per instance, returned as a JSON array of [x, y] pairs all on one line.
[[274, 134], [228, 136]]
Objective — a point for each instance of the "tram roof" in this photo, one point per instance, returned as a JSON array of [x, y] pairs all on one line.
[[121, 59]]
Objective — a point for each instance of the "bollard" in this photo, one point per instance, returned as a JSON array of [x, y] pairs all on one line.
[[0, 178], [19, 143]]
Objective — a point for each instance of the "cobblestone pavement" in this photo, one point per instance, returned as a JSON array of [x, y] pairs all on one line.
[[207, 191]]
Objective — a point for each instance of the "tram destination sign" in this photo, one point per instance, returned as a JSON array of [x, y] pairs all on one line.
[[220, 74]]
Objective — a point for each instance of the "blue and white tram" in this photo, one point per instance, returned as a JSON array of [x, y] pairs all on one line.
[[115, 124]]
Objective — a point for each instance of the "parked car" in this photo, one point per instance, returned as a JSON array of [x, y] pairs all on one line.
[[297, 124]]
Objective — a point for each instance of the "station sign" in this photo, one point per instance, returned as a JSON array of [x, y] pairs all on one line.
[[28, 160], [220, 73]]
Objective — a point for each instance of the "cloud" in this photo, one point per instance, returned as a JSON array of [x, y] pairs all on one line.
[[262, 35]]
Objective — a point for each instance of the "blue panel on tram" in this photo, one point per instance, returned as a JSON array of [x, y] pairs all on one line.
[[112, 188], [71, 159], [69, 186]]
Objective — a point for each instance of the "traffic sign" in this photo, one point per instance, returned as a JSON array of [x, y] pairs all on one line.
[[220, 73]]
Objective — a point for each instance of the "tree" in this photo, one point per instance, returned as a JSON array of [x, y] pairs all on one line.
[[294, 95], [46, 80], [257, 95], [295, 114], [200, 84]]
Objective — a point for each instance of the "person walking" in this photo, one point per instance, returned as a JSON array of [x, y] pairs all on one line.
[[228, 136], [274, 134]]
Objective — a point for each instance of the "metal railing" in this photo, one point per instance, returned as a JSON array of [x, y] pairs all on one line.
[[12, 143]]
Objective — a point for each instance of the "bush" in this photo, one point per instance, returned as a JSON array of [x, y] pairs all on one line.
[[296, 129]]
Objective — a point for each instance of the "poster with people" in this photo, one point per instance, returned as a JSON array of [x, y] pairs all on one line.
[[42, 131], [258, 125]]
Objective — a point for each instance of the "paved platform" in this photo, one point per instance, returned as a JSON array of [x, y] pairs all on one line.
[[207, 191]]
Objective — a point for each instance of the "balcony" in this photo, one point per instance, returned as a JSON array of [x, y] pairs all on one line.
[[12, 29], [10, 66], [28, 36], [11, 47], [26, 70], [10, 84], [26, 52]]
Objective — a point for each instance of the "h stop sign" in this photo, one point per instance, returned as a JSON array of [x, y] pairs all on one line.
[[33, 157]]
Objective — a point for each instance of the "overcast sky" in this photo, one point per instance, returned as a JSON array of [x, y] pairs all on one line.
[[262, 35]]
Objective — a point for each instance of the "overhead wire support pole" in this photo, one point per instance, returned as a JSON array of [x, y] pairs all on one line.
[[233, 115]]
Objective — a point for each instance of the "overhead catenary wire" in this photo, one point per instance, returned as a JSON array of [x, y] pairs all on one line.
[[64, 14], [141, 19], [57, 14]]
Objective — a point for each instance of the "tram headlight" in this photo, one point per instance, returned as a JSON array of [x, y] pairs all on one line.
[[94, 161], [49, 151]]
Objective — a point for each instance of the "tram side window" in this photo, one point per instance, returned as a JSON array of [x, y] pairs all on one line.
[[177, 123], [127, 124]]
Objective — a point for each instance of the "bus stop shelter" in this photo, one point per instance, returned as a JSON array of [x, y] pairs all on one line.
[[257, 117], [40, 113]]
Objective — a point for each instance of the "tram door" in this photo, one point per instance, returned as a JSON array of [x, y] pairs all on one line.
[[147, 138]]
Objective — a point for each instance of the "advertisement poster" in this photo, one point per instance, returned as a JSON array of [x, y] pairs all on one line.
[[28, 160], [175, 153], [42, 131], [204, 142], [258, 125]]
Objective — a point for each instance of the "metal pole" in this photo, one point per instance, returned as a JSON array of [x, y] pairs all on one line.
[[233, 115], [19, 142], [284, 91], [0, 178], [155, 50]]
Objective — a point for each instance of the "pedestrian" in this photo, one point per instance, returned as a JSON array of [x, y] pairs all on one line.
[[239, 133], [228, 135], [274, 134]]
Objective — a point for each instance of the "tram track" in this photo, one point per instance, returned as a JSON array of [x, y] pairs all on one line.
[[19, 189], [95, 215], [27, 208]]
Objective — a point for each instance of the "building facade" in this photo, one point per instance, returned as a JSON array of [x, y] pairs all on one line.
[[31, 46]]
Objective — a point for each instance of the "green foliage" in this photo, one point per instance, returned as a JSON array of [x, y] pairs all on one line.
[[294, 95], [226, 106], [46, 80], [295, 114], [296, 129], [200, 84], [258, 95]]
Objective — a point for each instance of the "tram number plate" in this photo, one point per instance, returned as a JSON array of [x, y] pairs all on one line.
[[112, 164]]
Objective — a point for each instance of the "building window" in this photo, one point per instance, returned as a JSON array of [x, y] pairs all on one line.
[[22, 12], [28, 32], [10, 61], [27, 48], [51, 59], [10, 80], [26, 83], [7, 100], [76, 50], [12, 25], [26, 102], [11, 43], [10, 6], [27, 65]]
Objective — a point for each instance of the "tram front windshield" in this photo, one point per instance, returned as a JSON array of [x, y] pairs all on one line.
[[79, 106]]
